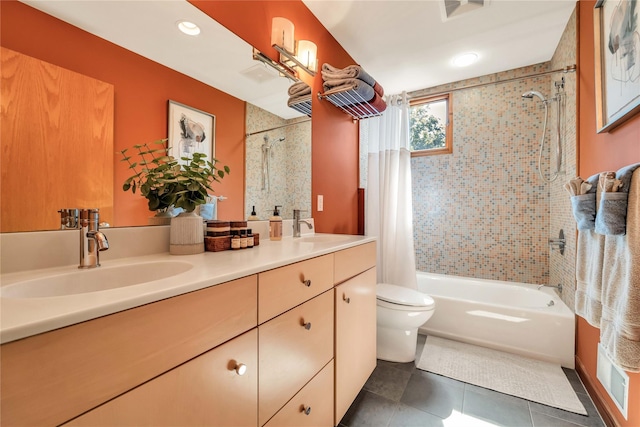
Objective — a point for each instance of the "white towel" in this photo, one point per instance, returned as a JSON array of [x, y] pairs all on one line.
[[589, 260], [620, 323]]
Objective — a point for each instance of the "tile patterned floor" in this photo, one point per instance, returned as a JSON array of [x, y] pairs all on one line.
[[399, 394]]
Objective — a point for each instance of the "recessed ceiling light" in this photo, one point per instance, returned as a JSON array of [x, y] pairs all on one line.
[[188, 28], [465, 59]]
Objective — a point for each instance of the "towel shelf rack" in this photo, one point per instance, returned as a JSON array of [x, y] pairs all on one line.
[[350, 101], [303, 106]]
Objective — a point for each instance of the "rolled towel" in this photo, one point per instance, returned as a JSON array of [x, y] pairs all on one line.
[[377, 103], [300, 88], [352, 91], [612, 206], [298, 99], [584, 210], [330, 72]]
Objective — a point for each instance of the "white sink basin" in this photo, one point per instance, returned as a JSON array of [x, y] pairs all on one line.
[[94, 280], [323, 238]]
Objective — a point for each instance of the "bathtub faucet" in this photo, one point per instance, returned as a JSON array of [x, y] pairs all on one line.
[[558, 287]]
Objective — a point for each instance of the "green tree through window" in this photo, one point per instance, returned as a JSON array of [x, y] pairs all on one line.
[[428, 130]]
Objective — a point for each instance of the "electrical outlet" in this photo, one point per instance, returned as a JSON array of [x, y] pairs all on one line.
[[320, 202]]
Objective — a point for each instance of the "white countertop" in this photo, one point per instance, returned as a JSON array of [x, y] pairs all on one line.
[[23, 317]]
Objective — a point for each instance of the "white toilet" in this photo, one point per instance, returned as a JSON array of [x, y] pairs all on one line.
[[400, 312]]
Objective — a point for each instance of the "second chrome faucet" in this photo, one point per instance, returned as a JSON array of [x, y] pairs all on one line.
[[92, 241], [297, 221]]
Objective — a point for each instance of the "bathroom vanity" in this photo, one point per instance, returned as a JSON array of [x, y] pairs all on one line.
[[282, 334]]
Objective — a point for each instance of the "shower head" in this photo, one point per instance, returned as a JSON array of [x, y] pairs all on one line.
[[533, 93]]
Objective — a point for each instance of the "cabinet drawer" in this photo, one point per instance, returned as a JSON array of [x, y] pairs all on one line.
[[84, 365], [310, 407], [205, 391], [353, 261], [285, 287], [291, 354]]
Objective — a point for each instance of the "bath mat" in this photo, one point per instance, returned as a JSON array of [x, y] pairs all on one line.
[[520, 376]]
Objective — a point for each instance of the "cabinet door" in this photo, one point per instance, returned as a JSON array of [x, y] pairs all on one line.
[[355, 356], [208, 390], [293, 347], [310, 407]]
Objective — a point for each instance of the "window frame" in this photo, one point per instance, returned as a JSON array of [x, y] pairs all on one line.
[[448, 148]]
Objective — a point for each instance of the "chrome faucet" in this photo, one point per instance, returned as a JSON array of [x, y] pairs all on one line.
[[558, 287], [92, 241], [297, 221]]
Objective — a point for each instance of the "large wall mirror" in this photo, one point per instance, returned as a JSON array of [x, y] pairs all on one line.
[[223, 61]]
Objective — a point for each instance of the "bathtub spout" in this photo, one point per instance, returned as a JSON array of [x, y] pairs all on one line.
[[558, 287]]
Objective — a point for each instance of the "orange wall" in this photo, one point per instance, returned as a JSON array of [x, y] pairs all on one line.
[[334, 136], [600, 152], [142, 89]]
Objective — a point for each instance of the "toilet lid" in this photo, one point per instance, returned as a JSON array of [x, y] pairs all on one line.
[[403, 296]]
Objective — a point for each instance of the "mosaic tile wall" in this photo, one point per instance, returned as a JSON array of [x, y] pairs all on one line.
[[562, 267], [482, 211], [290, 164]]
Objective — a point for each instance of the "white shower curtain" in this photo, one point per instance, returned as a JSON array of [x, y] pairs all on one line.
[[389, 210]]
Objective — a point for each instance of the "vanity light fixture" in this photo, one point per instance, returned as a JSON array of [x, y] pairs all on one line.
[[189, 28], [465, 59], [301, 54]]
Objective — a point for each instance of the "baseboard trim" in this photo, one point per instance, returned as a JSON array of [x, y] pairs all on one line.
[[598, 400]]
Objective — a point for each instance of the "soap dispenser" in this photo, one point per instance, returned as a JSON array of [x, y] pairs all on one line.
[[254, 215], [275, 224]]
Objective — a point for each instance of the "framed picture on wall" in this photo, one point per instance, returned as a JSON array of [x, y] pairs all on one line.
[[617, 62], [190, 131]]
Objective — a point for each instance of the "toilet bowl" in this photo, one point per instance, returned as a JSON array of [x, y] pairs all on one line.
[[400, 312]]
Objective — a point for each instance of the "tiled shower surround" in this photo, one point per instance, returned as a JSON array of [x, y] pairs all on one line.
[[290, 168], [483, 211]]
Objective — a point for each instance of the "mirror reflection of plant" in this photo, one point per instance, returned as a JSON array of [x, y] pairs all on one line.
[[164, 182]]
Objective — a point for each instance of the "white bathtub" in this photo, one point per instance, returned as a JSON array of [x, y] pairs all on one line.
[[513, 317]]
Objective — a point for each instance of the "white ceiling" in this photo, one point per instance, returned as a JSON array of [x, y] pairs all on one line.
[[405, 45]]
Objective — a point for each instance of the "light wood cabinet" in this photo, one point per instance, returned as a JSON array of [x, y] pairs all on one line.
[[304, 331], [218, 388], [68, 371], [293, 347], [288, 286], [310, 407], [355, 352]]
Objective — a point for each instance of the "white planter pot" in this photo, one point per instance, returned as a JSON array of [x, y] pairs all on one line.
[[187, 234]]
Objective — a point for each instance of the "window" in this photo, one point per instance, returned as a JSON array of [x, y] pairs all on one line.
[[431, 126]]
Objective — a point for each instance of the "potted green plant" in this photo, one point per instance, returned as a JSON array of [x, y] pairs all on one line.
[[165, 182]]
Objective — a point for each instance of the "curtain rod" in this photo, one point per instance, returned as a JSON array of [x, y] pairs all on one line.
[[277, 127], [424, 92]]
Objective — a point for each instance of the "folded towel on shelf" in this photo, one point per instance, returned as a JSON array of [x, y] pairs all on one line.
[[612, 206], [620, 322], [351, 91], [300, 88], [330, 72]]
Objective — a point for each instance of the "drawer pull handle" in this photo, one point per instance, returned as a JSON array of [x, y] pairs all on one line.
[[307, 283], [346, 299], [307, 326], [306, 410], [241, 369]]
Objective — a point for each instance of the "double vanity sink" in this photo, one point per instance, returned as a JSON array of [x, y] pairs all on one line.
[[282, 334]]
